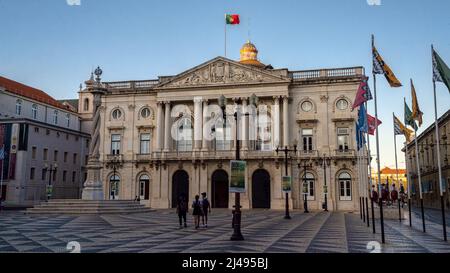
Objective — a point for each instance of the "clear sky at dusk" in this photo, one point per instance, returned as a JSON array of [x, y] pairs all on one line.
[[53, 46]]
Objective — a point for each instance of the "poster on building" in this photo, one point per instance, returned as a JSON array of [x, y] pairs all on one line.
[[237, 179], [49, 190], [287, 184]]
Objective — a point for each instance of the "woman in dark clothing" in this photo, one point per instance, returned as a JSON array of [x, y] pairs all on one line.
[[182, 209], [197, 206]]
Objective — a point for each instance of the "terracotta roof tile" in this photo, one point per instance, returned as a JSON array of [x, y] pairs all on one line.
[[30, 92]]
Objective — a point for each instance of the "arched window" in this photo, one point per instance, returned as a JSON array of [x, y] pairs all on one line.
[[260, 131], [345, 187], [183, 135], [34, 109], [144, 187], [309, 186], [222, 140], [18, 107], [86, 104], [114, 183], [55, 117]]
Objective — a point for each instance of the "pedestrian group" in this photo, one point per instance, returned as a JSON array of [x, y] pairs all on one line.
[[200, 209]]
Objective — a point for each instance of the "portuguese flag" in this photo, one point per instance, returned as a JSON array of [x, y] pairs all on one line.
[[232, 19]]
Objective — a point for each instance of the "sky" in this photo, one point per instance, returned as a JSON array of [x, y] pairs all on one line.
[[53, 45]]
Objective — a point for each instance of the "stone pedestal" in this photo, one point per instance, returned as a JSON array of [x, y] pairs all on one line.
[[389, 212], [93, 187]]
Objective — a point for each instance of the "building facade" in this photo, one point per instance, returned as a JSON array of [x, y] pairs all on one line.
[[166, 137], [429, 164], [390, 175], [43, 146]]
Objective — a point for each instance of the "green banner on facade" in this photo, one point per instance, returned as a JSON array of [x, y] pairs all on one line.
[[237, 182]]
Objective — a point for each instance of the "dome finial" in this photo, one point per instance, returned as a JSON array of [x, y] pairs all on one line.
[[249, 55]]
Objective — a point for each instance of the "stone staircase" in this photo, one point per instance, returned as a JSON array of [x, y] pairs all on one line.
[[83, 207]]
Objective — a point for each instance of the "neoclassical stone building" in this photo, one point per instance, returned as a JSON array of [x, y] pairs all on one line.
[[155, 135]]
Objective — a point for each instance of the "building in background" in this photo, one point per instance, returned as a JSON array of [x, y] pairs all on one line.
[[388, 174], [39, 134], [428, 164], [153, 144]]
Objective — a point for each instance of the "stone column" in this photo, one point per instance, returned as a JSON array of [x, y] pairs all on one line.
[[285, 121], [244, 125], [159, 126], [198, 123], [167, 135], [205, 131], [93, 186], [276, 121]]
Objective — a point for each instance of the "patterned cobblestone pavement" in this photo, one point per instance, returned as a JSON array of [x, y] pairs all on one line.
[[264, 231]]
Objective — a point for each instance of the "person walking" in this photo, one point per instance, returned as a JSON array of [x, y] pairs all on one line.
[[182, 209], [206, 206], [197, 211]]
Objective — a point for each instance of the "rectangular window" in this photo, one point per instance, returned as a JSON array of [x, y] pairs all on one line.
[[86, 159], [75, 158], [55, 155], [45, 155], [145, 144], [33, 152], [64, 176], [47, 132], [345, 190], [307, 137], [36, 129], [343, 139], [115, 144], [65, 156], [74, 176], [32, 172], [44, 174], [55, 173]]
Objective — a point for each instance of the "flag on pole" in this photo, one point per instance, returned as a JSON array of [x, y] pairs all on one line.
[[409, 119], [380, 67], [362, 119], [232, 19], [441, 72], [372, 123], [363, 95], [360, 138], [400, 129], [416, 113]]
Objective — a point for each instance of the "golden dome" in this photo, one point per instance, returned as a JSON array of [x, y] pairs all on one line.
[[249, 55]]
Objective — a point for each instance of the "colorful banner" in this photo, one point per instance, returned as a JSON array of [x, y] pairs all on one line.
[[287, 184], [237, 182], [5, 140]]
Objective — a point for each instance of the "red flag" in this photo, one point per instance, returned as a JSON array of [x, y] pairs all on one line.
[[372, 124], [363, 93]]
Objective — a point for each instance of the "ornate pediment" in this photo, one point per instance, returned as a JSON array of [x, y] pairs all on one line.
[[221, 71]]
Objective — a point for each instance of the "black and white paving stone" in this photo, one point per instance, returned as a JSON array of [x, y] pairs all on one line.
[[265, 231]]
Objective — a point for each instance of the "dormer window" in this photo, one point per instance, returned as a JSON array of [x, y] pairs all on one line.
[[55, 117], [34, 109]]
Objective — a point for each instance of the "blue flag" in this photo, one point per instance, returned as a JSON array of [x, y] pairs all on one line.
[[362, 119], [2, 153]]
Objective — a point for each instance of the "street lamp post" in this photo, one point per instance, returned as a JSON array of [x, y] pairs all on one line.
[[286, 152], [237, 235], [305, 190], [115, 162], [50, 169]]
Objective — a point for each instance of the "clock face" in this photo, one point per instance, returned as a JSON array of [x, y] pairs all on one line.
[[342, 104], [307, 106]]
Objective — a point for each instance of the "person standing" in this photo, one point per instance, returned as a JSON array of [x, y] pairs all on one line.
[[197, 211], [182, 209], [206, 206]]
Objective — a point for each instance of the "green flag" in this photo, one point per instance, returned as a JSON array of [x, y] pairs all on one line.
[[441, 72], [408, 118]]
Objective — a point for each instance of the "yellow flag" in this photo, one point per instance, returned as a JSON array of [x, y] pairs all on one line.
[[398, 125], [416, 113], [380, 67]]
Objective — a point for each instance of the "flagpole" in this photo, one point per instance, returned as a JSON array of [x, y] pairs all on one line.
[[419, 176], [378, 146], [363, 180], [370, 178], [358, 143], [225, 31], [366, 182], [408, 177], [396, 170], [444, 227]]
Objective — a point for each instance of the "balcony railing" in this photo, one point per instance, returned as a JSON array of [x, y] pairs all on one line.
[[326, 73], [344, 153], [131, 85], [114, 158], [307, 154], [143, 157]]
